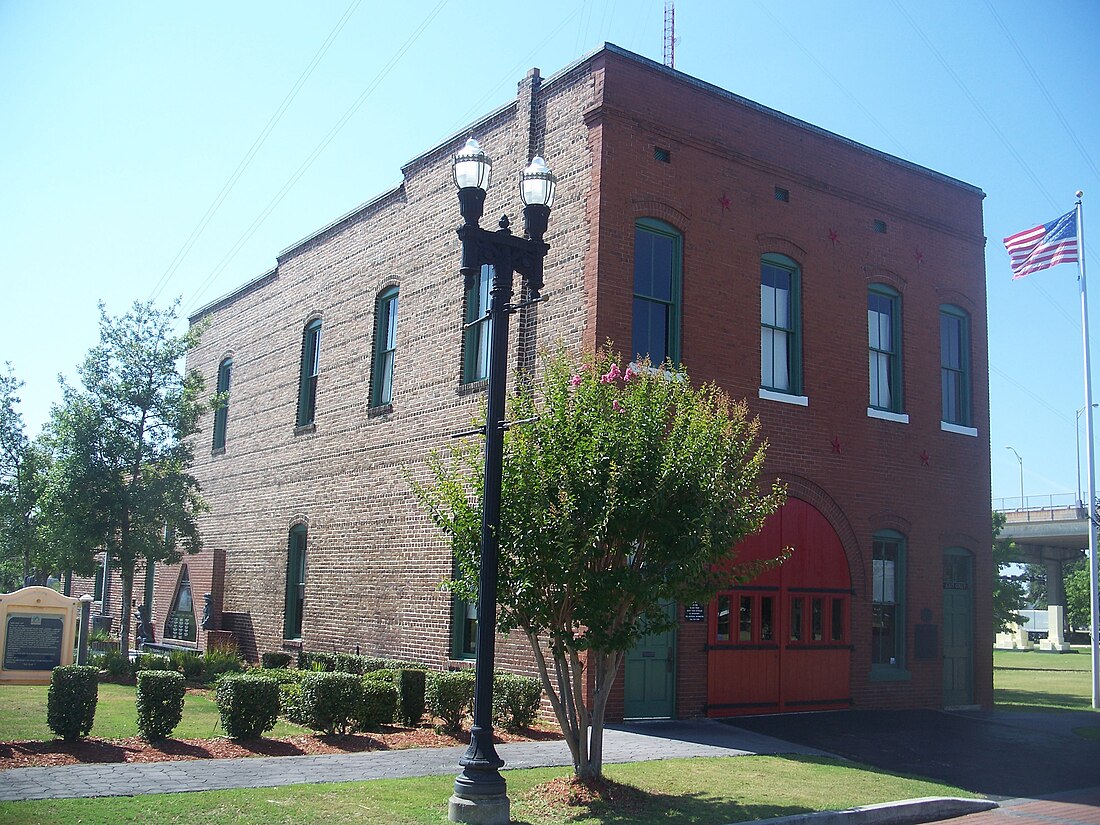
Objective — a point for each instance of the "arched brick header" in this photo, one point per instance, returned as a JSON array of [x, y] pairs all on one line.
[[881, 275], [963, 541], [889, 520], [947, 295], [804, 489], [296, 520], [784, 246], [658, 209]]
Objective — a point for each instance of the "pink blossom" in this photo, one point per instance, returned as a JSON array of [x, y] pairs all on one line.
[[575, 381], [615, 405], [612, 374], [629, 374]]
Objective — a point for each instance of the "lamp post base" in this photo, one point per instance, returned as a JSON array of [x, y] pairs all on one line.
[[479, 810]]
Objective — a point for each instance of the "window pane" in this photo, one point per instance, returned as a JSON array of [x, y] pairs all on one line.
[[817, 620], [879, 368], [745, 625], [838, 620], [766, 604], [796, 620], [722, 633], [650, 331], [883, 634], [780, 362]]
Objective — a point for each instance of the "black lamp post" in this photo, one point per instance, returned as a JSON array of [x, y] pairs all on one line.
[[480, 792]]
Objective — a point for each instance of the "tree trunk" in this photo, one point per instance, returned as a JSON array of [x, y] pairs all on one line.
[[126, 574]]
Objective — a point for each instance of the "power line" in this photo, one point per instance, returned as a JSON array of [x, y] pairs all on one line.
[[227, 187], [308, 162]]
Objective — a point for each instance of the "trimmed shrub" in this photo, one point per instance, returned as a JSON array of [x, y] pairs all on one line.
[[248, 704], [378, 702], [448, 696], [278, 675], [410, 691], [71, 701], [515, 700], [275, 659], [331, 701], [290, 703], [159, 703]]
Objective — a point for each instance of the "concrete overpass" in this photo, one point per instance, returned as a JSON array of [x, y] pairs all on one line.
[[1049, 535]]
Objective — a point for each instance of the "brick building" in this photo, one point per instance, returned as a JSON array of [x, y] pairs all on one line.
[[840, 290]]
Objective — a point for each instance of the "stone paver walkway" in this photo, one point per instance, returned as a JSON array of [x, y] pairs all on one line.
[[634, 743]]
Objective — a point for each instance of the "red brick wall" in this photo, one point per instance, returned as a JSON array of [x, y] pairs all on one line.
[[374, 561]]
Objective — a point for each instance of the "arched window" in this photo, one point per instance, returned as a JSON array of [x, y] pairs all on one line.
[[955, 365], [475, 341], [884, 344], [221, 414], [295, 583], [888, 602], [658, 252], [780, 344], [307, 381], [385, 348]]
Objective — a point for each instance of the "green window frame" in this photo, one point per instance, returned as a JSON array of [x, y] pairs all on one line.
[[464, 635], [888, 602], [385, 348], [955, 365], [780, 324], [656, 311], [884, 348], [294, 606], [221, 414], [478, 328], [311, 365]]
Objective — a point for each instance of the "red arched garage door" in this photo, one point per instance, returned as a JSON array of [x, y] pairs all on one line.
[[782, 641]]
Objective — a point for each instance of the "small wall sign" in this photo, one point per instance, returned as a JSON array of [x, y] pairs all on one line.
[[694, 612]]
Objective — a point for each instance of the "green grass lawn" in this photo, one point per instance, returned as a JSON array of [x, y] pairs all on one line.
[[704, 791], [23, 715], [1042, 681]]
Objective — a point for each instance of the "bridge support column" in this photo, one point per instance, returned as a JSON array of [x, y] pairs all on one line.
[[1055, 642]]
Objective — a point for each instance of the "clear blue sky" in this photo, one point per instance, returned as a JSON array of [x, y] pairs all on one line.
[[124, 122]]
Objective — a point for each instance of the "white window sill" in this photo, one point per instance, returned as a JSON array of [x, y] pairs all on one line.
[[885, 415], [955, 428], [784, 397]]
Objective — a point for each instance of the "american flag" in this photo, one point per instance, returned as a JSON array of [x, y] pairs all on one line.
[[1043, 246]]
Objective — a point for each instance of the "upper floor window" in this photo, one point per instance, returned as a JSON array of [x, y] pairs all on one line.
[[884, 344], [221, 414], [955, 365], [385, 345], [780, 350], [888, 599], [658, 250], [294, 605], [475, 349], [307, 382]]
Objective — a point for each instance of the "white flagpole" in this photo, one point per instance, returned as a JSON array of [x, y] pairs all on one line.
[[1090, 459]]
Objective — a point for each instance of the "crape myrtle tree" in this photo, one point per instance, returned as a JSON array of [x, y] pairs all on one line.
[[623, 490], [121, 480]]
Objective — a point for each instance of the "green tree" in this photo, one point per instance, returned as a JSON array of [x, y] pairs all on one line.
[[622, 491], [121, 481], [24, 465], [1078, 603], [1009, 592]]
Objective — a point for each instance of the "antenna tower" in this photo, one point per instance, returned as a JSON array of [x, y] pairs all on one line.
[[670, 34]]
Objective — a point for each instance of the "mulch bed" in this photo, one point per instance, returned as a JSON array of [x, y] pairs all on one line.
[[28, 754]]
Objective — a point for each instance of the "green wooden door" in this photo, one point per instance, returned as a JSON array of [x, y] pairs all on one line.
[[651, 676], [957, 628]]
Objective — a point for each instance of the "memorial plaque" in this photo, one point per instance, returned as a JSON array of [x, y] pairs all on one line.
[[33, 641], [694, 612]]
